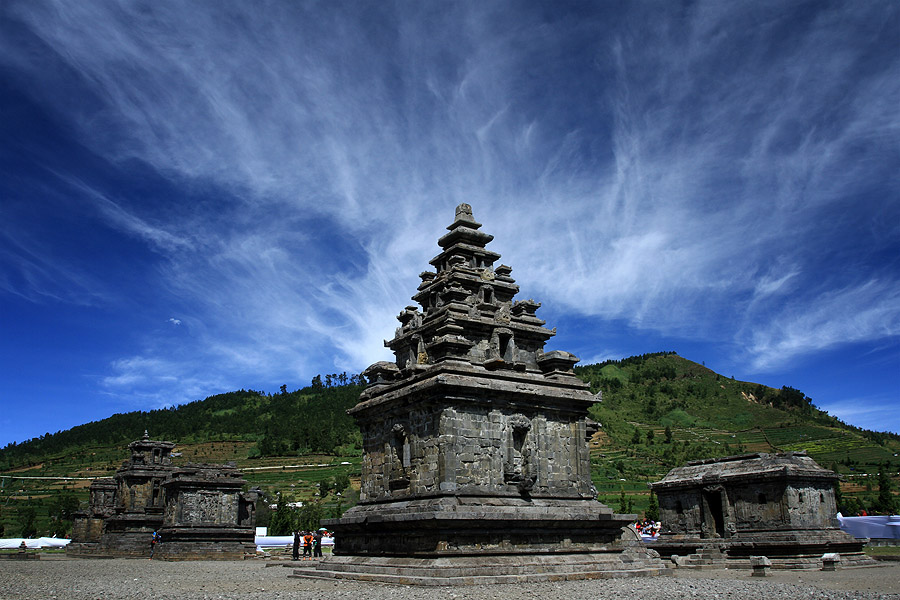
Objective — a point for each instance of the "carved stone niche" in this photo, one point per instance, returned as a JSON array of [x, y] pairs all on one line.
[[502, 352], [715, 511], [519, 469], [399, 457]]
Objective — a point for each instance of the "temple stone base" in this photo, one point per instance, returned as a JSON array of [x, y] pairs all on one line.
[[22, 554], [125, 536], [469, 541], [479, 570], [456, 525], [786, 551], [206, 543]]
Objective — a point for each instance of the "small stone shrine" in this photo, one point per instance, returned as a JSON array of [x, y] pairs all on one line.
[[125, 510], [476, 466], [206, 514], [724, 511], [199, 509]]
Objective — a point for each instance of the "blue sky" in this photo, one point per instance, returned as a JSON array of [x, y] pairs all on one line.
[[197, 197]]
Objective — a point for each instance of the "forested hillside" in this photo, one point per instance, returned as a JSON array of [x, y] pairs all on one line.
[[312, 419], [658, 411], [661, 410]]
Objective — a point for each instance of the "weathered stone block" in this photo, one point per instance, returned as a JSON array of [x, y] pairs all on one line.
[[760, 566], [831, 561]]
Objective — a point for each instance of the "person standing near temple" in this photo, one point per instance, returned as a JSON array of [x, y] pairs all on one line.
[[295, 552], [307, 544], [154, 540], [317, 545]]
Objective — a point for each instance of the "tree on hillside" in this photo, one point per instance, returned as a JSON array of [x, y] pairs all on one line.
[[625, 503], [282, 520], [337, 510], [62, 510], [64, 506], [341, 482], [311, 514], [27, 516], [653, 508], [263, 512], [886, 503]]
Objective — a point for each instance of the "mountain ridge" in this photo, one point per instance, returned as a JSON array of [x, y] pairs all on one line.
[[658, 411]]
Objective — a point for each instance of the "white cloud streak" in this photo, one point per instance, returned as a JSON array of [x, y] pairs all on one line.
[[691, 174], [847, 316], [868, 412]]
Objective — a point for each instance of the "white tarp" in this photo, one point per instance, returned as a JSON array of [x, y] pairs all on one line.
[[262, 541], [884, 527], [44, 542], [284, 541]]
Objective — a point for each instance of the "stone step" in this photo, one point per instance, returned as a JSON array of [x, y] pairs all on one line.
[[403, 579], [471, 570]]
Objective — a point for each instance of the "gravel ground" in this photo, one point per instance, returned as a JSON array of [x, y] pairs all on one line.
[[77, 579]]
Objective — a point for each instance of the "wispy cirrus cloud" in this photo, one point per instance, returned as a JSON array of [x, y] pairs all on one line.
[[696, 174], [846, 316], [868, 412], [32, 269]]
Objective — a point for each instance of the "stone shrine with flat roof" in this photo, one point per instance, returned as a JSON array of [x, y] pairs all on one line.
[[723, 511], [199, 510], [476, 466], [206, 515]]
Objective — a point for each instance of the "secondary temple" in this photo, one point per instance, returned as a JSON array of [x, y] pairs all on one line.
[[476, 466], [724, 511], [199, 510]]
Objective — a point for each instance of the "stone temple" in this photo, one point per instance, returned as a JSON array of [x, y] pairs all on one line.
[[199, 510], [476, 466], [725, 511]]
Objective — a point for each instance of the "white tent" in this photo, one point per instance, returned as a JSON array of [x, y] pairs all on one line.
[[44, 542], [879, 527], [283, 541]]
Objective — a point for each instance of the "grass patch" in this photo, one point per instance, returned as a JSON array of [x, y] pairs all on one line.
[[882, 551], [677, 418]]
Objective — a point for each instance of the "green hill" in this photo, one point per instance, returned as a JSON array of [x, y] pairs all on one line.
[[658, 411], [312, 419], [661, 410]]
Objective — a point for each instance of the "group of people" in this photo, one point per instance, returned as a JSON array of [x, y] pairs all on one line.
[[648, 527], [310, 541]]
